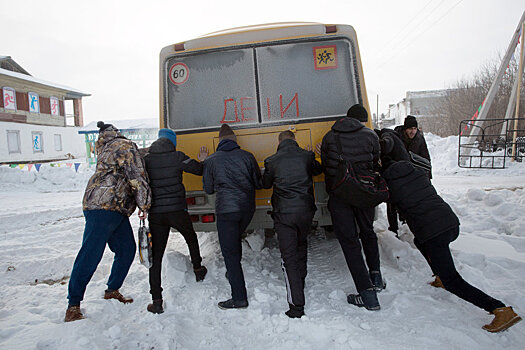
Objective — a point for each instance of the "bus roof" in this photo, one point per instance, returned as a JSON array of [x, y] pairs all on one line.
[[260, 33]]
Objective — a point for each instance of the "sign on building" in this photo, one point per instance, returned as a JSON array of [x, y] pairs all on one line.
[[9, 96], [34, 102], [55, 108]]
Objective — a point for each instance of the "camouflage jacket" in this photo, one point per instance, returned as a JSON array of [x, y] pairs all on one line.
[[120, 182]]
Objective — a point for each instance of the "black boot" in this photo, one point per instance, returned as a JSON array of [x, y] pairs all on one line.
[[232, 304], [377, 280], [156, 307], [367, 299], [295, 311], [200, 273]]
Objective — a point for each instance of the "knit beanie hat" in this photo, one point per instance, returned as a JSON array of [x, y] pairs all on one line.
[[169, 134], [357, 112], [226, 132], [101, 126], [410, 122]]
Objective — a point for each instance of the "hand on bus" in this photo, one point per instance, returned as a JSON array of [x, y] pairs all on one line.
[[203, 154], [318, 148]]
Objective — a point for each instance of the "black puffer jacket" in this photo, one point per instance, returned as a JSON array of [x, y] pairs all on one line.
[[234, 175], [418, 145], [360, 146], [165, 165], [426, 213], [290, 172], [392, 146]]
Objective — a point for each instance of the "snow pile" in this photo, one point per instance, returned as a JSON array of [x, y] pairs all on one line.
[[41, 228]]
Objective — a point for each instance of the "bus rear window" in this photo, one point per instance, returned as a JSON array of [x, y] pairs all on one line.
[[306, 80], [205, 90], [292, 81]]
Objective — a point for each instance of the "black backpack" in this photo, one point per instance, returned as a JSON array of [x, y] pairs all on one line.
[[357, 190]]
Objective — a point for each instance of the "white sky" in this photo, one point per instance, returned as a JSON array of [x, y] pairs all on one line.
[[110, 48]]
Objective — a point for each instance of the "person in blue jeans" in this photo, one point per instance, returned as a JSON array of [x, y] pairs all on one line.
[[118, 186], [234, 175]]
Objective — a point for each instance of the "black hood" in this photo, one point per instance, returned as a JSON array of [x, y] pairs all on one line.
[[162, 145], [347, 125], [399, 169]]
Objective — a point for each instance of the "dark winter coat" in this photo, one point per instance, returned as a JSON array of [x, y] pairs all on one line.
[[165, 166], [426, 213], [290, 172], [120, 181], [234, 175], [359, 144], [392, 147], [418, 145]]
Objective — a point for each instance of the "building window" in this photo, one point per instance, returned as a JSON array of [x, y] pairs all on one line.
[[13, 141], [55, 107], [9, 96], [58, 142], [34, 102], [38, 141]]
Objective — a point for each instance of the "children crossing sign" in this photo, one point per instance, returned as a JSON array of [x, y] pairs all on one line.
[[325, 57]]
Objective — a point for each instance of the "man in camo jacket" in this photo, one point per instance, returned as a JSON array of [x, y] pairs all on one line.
[[119, 185]]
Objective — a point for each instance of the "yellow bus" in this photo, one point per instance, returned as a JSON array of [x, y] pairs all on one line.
[[260, 80]]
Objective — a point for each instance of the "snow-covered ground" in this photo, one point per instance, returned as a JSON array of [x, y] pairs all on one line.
[[41, 226]]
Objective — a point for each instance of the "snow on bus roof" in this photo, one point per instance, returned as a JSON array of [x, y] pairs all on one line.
[[122, 125]]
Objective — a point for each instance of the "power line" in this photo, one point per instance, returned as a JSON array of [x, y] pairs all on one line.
[[396, 52]]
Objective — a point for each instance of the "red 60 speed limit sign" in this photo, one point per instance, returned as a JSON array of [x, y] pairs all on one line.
[[179, 73]]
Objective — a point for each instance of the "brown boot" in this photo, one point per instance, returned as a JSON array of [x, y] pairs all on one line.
[[115, 294], [156, 307], [437, 283], [504, 317], [73, 313]]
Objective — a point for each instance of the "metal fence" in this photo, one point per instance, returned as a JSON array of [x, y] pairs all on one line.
[[494, 145]]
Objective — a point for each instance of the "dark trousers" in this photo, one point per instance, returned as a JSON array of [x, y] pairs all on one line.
[[231, 226], [391, 214], [437, 253], [364, 218], [292, 230], [345, 228], [102, 226], [159, 225]]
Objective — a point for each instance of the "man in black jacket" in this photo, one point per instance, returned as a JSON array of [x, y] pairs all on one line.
[[165, 165], [435, 226], [234, 175], [413, 138], [360, 146], [290, 172], [392, 148]]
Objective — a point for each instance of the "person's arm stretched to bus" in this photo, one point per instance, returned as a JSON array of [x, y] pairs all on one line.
[[267, 179], [256, 174], [191, 165], [207, 177]]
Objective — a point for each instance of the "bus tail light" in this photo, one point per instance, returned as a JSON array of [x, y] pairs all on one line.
[[208, 218], [197, 200], [194, 218]]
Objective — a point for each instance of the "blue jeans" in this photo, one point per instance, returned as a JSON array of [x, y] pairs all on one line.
[[102, 226], [231, 226]]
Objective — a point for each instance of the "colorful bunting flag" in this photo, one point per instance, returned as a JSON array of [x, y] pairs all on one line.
[[37, 167], [13, 165], [77, 165], [29, 166], [69, 165], [21, 166]]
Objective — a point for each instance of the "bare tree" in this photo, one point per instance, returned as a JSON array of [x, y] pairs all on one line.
[[465, 96]]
